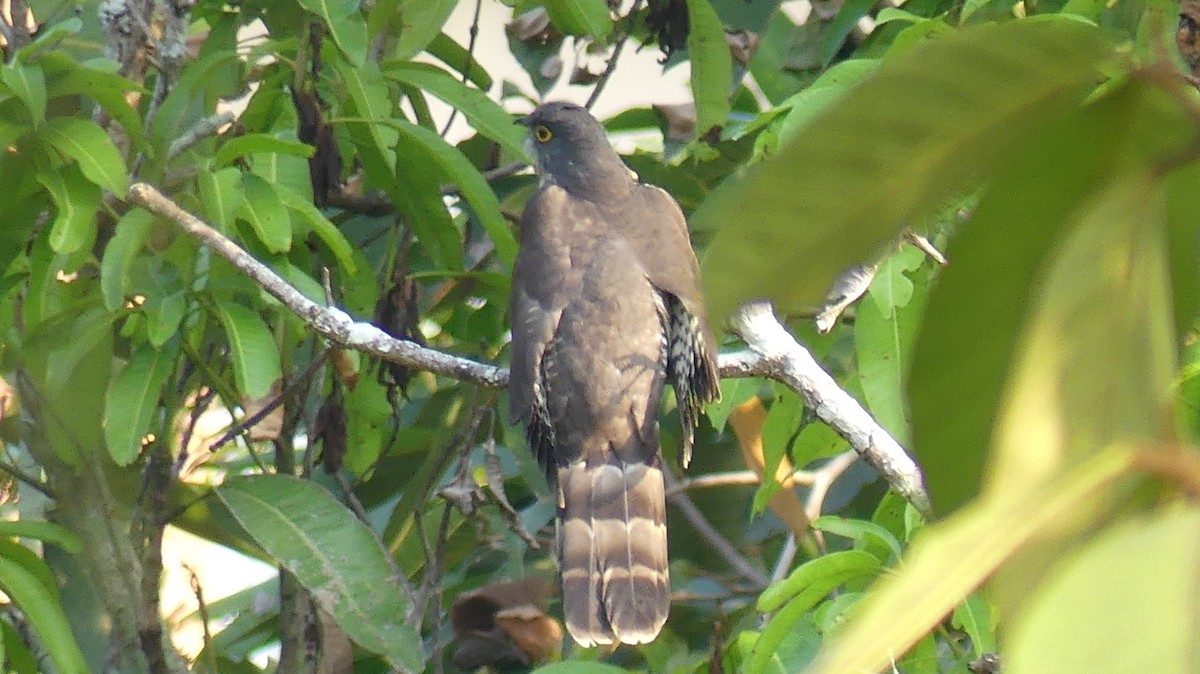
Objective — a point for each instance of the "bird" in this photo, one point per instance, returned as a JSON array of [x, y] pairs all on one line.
[[606, 309]]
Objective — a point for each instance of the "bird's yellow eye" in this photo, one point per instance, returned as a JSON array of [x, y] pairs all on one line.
[[542, 133]]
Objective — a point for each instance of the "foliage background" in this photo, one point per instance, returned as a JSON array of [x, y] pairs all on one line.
[[1045, 379]]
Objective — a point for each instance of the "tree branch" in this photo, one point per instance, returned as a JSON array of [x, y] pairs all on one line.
[[773, 353], [792, 364]]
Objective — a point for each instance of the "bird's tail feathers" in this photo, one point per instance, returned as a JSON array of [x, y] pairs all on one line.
[[613, 551]]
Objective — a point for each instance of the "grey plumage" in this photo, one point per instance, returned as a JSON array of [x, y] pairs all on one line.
[[606, 309]]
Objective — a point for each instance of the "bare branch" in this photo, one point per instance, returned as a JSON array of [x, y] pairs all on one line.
[[612, 60], [333, 324], [719, 543], [737, 477], [792, 364], [203, 129], [773, 353]]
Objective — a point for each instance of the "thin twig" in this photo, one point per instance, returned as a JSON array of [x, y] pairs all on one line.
[[28, 479], [202, 129], [737, 477], [210, 656], [719, 543], [287, 393], [783, 565], [474, 36], [612, 60]]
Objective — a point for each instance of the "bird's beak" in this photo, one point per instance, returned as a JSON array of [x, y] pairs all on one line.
[[523, 121]]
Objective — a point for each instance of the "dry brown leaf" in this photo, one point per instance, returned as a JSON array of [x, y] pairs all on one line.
[[747, 422]]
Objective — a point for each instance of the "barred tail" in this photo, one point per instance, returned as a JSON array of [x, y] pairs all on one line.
[[612, 548]]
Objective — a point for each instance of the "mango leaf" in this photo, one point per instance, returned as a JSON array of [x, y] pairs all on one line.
[[840, 190], [884, 344], [953, 557], [422, 21], [28, 83], [712, 66], [46, 532], [471, 184], [222, 195], [321, 226], [370, 104], [252, 143], [858, 530], [829, 87], [844, 564], [986, 295], [65, 77], [578, 17], [840, 27], [484, 114], [132, 401], [802, 590], [91, 149], [76, 201], [345, 24], [266, 215], [455, 55], [251, 348], [974, 616], [1149, 567], [120, 253], [48, 37], [333, 555], [45, 615]]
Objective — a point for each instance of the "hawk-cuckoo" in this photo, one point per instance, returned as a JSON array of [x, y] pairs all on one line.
[[606, 309]]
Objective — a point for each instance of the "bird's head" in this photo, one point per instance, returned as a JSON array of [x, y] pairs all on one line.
[[570, 146]]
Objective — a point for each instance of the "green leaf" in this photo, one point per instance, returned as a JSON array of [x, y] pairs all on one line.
[[803, 590], [471, 184], [840, 27], [783, 419], [953, 557], [580, 17], [28, 83], [954, 108], [322, 227], [345, 24], [828, 570], [712, 66], [49, 36], [251, 348], [92, 149], [734, 392], [422, 21], [45, 615], [132, 401], [46, 532], [66, 77], [251, 143], [974, 616], [76, 201], [484, 114], [858, 530], [1149, 568], [985, 295], [266, 214], [333, 555], [884, 342], [829, 87], [455, 55], [222, 195], [119, 254], [371, 103]]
